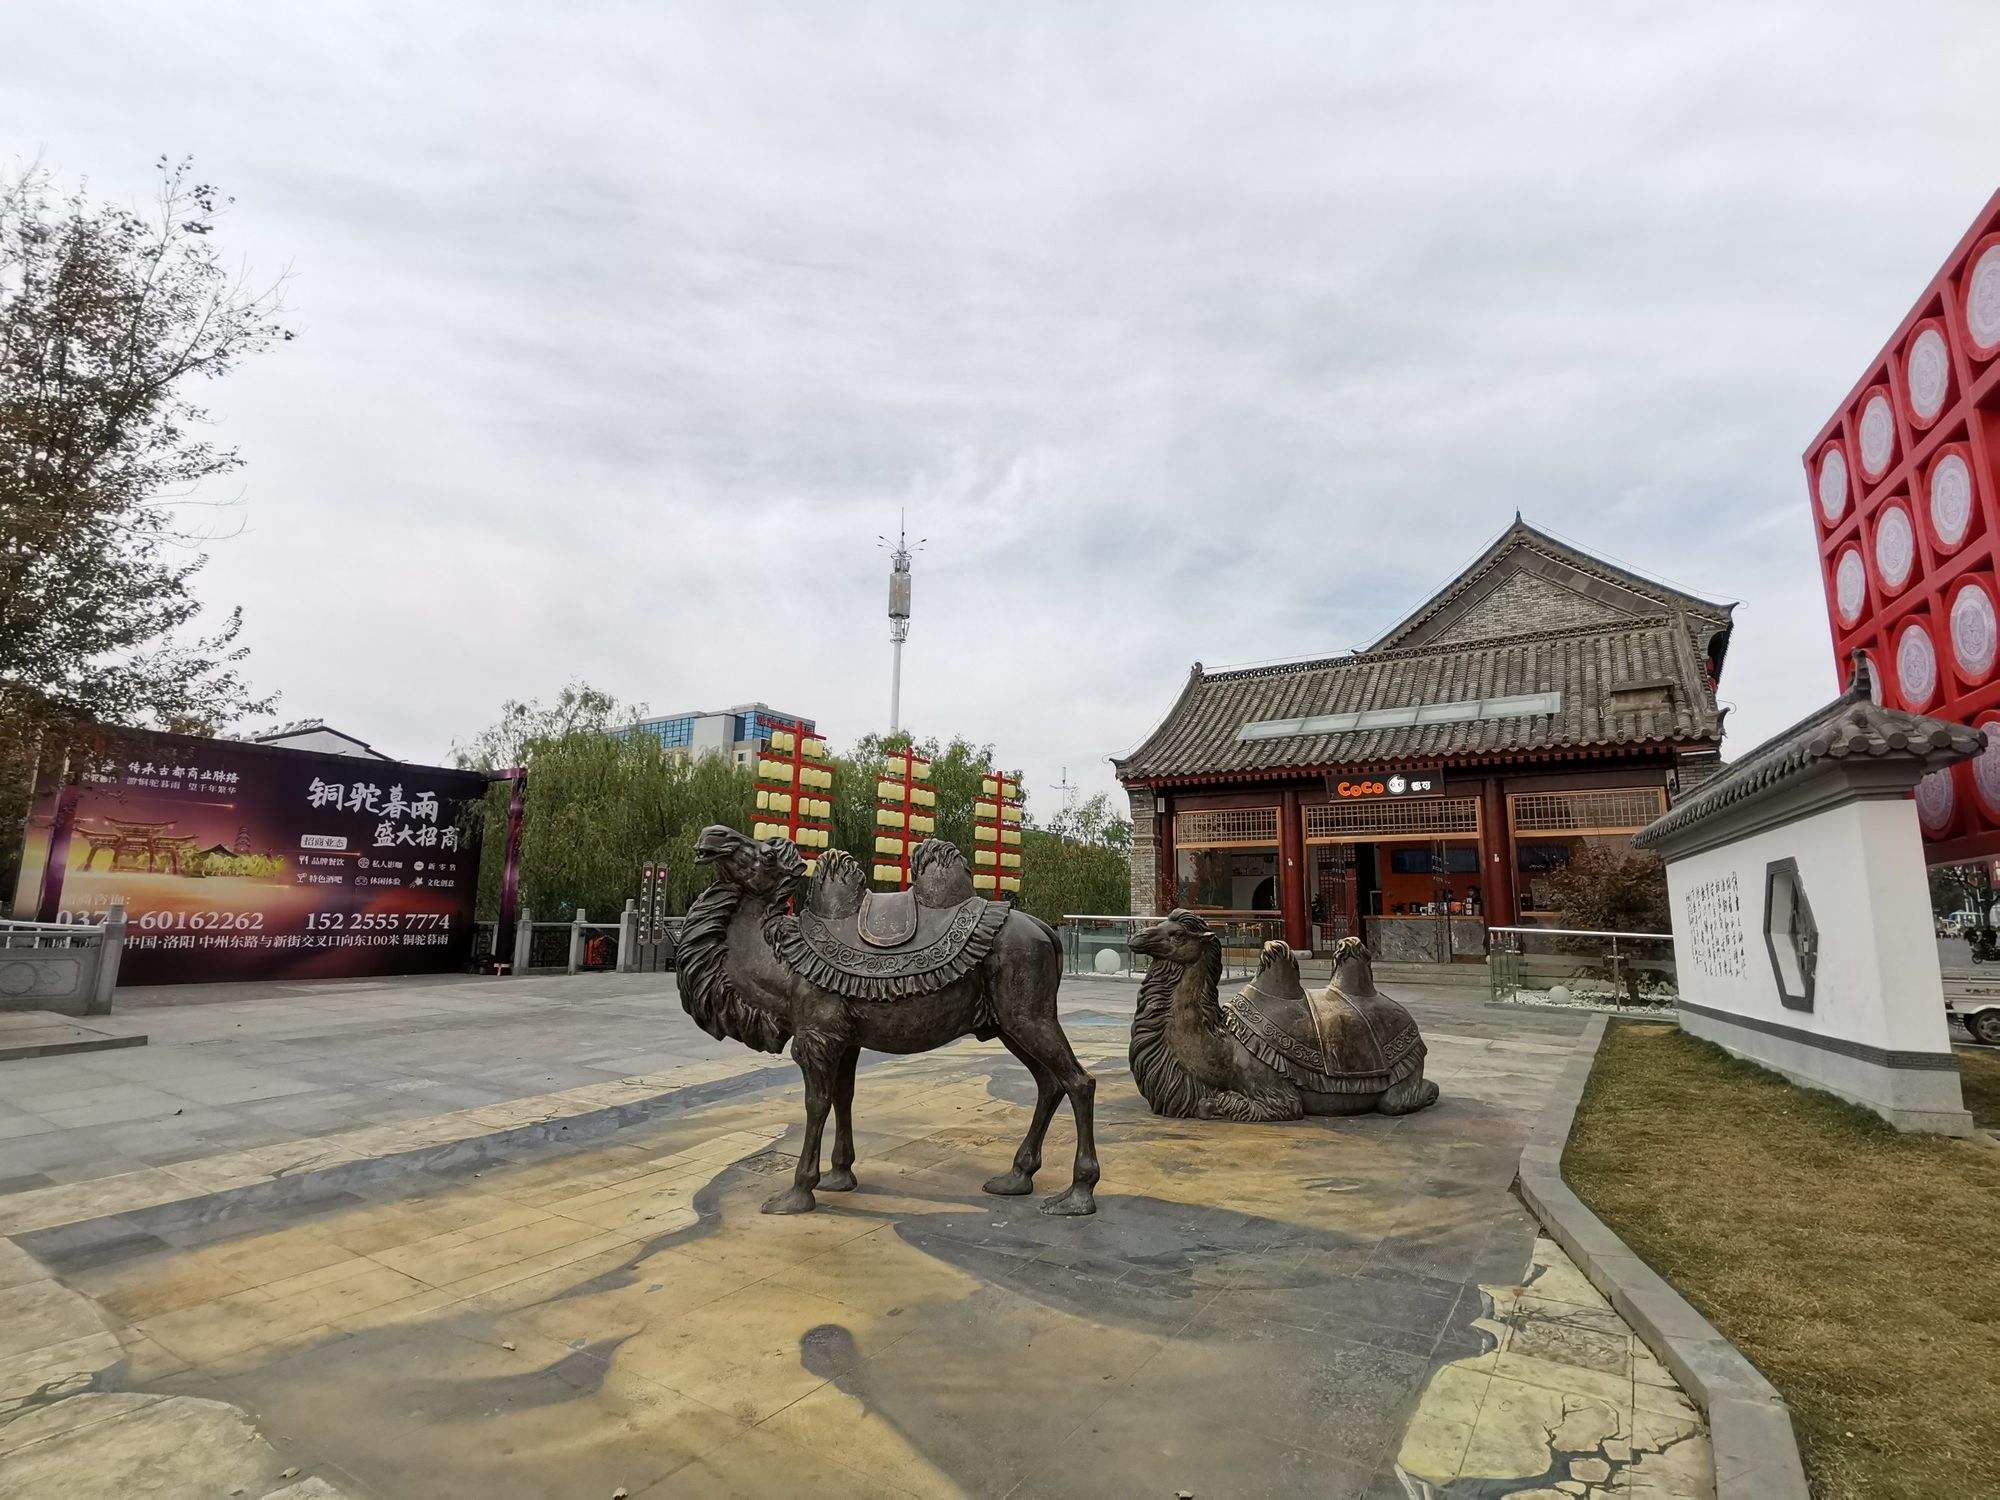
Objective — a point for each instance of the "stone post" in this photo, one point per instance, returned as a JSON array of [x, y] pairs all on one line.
[[524, 940], [1145, 854], [110, 951], [576, 940], [628, 937]]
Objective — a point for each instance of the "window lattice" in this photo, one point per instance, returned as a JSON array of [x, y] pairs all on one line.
[[1421, 817], [1621, 810], [1236, 825]]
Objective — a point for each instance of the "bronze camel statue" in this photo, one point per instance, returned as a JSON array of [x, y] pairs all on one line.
[[1272, 1052], [899, 971]]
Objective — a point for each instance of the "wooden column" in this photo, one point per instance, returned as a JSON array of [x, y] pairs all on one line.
[[1164, 884], [1496, 855], [1292, 872]]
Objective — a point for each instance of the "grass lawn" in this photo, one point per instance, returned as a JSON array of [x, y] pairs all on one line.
[[1859, 1269]]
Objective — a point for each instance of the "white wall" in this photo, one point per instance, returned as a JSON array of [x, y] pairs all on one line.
[[1862, 866]]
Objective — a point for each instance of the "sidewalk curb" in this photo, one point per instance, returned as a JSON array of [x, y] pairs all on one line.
[[1750, 1427]]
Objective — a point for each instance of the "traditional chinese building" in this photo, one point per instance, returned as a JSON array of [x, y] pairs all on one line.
[[1422, 788]]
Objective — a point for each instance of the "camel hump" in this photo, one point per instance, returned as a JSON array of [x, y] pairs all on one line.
[[939, 874], [1277, 975], [837, 886]]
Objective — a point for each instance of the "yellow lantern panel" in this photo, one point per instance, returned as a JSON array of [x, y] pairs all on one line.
[[1010, 813], [815, 748], [1010, 861], [923, 796], [1009, 883], [921, 824], [891, 791], [1010, 835], [891, 873], [888, 817], [982, 856], [984, 882], [985, 811]]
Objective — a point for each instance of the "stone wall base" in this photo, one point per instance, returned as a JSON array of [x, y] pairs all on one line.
[[1923, 1097]]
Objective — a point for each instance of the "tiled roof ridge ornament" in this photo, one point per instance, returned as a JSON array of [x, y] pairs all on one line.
[[1851, 729]]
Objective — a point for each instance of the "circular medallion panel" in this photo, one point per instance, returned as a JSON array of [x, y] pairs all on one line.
[[1833, 485], [1916, 666], [1878, 435], [1850, 586], [1951, 498], [1982, 300], [1929, 374], [1895, 548], [1937, 800], [1986, 769], [1975, 633]]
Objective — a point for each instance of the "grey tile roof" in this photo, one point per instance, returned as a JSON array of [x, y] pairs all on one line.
[[1618, 631], [1200, 734], [1852, 727]]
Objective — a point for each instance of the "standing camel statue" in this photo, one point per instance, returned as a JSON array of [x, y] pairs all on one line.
[[897, 971]]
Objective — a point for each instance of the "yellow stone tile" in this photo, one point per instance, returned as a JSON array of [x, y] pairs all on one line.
[[1434, 1448], [36, 1314], [209, 1330], [1616, 1389]]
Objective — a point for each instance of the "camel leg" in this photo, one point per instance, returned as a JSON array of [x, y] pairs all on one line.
[[1041, 1037], [841, 1178], [1028, 1158], [821, 1065]]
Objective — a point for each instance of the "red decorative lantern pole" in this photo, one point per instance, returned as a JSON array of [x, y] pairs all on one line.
[[996, 835], [794, 791], [905, 815]]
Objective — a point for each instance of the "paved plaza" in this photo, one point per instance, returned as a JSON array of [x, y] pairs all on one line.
[[457, 1299]]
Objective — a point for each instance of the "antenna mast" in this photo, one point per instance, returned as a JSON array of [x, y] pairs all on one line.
[[899, 612]]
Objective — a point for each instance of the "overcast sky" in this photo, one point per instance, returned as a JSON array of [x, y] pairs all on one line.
[[1183, 332]]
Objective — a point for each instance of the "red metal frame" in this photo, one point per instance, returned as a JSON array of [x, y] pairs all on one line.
[[1969, 418]]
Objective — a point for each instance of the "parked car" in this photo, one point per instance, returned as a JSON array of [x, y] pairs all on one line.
[[1979, 1015]]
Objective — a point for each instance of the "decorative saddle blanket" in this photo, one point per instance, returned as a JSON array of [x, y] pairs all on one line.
[[888, 945], [1328, 1043]]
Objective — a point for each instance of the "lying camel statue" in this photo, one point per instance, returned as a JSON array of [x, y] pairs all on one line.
[[1271, 1052]]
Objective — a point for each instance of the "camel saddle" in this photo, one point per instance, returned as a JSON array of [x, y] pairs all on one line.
[[891, 945], [1332, 1042]]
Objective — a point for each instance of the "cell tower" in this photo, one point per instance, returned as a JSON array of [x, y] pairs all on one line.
[[899, 611]]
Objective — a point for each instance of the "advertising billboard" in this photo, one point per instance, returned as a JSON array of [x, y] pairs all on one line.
[[1903, 484], [238, 861]]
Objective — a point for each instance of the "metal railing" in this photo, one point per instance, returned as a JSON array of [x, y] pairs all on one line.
[[1563, 965], [67, 967], [1102, 944]]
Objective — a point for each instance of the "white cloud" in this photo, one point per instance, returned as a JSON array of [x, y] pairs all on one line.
[[1183, 332]]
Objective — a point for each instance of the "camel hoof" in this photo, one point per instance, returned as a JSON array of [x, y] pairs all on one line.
[[1014, 1184], [839, 1180], [1078, 1200], [792, 1201]]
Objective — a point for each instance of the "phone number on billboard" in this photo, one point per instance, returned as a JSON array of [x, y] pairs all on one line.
[[194, 921], [377, 921]]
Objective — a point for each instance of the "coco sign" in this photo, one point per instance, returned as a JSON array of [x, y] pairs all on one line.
[[1385, 786]]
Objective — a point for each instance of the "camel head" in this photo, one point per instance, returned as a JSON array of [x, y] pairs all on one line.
[[1180, 937], [772, 869], [1353, 969]]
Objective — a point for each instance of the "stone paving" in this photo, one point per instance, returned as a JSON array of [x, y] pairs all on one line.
[[1334, 1307]]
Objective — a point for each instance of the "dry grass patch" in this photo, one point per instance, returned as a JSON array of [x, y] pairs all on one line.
[[1979, 1076], [1859, 1269]]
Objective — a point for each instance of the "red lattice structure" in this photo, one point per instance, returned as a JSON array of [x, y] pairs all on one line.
[[794, 792], [905, 815], [1904, 484], [996, 835]]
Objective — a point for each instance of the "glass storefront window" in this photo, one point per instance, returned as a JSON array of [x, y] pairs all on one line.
[[1227, 880]]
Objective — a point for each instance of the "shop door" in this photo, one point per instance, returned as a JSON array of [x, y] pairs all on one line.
[[1330, 897]]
